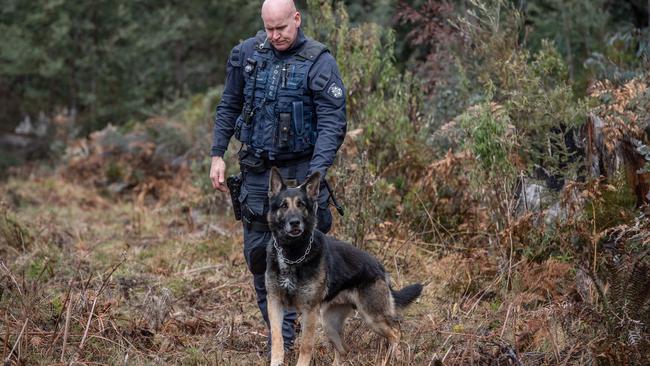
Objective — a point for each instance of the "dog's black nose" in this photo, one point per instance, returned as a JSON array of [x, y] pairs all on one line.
[[294, 223]]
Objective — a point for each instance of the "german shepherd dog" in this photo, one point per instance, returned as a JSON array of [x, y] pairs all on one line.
[[320, 275]]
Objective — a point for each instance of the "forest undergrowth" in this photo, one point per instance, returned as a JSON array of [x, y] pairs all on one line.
[[157, 275], [92, 278]]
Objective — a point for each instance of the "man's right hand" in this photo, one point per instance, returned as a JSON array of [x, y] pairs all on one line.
[[218, 174]]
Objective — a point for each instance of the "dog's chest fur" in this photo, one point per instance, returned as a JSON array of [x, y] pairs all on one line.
[[287, 279], [299, 284]]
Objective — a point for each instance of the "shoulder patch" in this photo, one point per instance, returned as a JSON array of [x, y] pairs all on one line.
[[335, 91]]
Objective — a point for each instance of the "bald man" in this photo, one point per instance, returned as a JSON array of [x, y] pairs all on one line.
[[285, 102]]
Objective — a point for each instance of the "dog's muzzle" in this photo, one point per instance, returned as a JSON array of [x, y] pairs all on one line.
[[294, 227]]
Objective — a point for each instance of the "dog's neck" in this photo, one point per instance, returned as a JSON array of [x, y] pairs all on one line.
[[293, 250]]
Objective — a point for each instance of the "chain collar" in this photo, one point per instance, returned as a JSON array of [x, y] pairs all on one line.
[[289, 261]]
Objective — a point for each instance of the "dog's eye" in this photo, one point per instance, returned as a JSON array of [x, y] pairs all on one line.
[[284, 204], [299, 204]]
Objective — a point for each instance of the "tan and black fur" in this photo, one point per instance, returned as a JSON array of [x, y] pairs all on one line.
[[322, 277]]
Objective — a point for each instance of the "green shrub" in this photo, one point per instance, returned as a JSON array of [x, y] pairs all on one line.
[[382, 101], [535, 90], [385, 104], [487, 128]]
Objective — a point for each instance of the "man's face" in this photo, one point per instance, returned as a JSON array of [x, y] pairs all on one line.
[[281, 29]]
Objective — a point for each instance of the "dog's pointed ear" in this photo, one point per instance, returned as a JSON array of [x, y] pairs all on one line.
[[276, 184], [312, 185]]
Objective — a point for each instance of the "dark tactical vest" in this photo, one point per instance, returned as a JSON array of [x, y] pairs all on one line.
[[278, 116]]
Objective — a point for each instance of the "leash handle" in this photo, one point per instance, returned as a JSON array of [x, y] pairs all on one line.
[[338, 207]]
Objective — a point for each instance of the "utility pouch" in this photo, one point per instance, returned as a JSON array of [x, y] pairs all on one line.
[[248, 113], [234, 183], [284, 130], [250, 162]]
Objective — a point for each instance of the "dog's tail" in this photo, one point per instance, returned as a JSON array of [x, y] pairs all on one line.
[[405, 296]]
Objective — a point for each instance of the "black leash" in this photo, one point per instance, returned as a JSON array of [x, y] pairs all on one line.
[[335, 203]]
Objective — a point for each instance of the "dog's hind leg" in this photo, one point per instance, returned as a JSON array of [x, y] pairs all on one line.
[[276, 314], [333, 318], [389, 329], [309, 322], [377, 308]]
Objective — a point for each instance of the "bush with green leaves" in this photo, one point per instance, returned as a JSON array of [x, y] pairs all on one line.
[[380, 99], [534, 90], [488, 139], [113, 61], [576, 27], [385, 104]]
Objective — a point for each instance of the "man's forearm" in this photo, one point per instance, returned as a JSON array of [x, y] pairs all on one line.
[[327, 144]]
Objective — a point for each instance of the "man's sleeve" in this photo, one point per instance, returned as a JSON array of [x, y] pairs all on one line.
[[329, 102], [232, 102]]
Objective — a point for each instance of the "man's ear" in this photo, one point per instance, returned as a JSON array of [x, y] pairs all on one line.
[[276, 184], [297, 18], [312, 186]]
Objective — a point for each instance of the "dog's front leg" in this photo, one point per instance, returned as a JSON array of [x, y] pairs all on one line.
[[309, 323], [276, 315]]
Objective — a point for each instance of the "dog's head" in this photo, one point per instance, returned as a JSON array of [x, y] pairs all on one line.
[[292, 211]]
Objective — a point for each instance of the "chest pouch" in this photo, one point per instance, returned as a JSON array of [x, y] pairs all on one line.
[[284, 129]]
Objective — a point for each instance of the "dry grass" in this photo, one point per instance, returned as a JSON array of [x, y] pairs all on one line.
[[108, 280]]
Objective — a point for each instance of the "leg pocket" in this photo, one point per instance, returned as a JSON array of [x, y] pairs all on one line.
[[254, 194]]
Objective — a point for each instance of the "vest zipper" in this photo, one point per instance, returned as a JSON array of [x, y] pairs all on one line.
[[284, 75]]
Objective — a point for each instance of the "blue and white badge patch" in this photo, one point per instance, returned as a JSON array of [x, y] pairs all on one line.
[[335, 91], [248, 68]]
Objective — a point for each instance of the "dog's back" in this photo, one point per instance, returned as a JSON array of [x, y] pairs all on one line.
[[348, 267]]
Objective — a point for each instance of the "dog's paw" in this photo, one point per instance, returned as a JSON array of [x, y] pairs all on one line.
[[277, 361]]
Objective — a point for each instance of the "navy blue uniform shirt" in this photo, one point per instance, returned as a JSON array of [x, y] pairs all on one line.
[[330, 109]]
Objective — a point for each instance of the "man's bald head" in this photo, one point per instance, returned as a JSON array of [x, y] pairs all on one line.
[[278, 8], [281, 22]]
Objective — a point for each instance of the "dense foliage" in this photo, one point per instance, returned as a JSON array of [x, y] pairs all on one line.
[[110, 62], [113, 61]]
